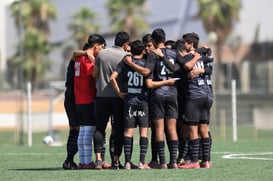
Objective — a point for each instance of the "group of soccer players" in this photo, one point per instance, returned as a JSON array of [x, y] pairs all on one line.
[[165, 88]]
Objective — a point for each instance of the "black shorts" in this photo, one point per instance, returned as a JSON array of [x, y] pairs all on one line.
[[208, 112], [163, 107], [70, 109], [136, 116], [181, 106], [109, 107], [196, 110], [85, 114]]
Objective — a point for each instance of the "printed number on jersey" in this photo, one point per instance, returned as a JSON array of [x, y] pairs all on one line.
[[135, 82], [164, 69]]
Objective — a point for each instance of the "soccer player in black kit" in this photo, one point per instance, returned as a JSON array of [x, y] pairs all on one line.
[[70, 108], [163, 102], [135, 95], [196, 104]]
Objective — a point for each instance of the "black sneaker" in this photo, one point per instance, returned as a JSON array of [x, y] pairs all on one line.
[[68, 165], [98, 165], [116, 165]]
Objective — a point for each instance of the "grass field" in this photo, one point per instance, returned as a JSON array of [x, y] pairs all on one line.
[[244, 160]]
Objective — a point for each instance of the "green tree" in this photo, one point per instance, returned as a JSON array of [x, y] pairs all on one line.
[[127, 15], [83, 25], [35, 63], [36, 15], [218, 16]]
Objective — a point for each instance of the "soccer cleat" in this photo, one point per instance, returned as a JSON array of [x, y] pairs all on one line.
[[153, 164], [127, 166], [206, 164], [179, 160], [172, 166], [80, 166], [183, 162], [133, 166], [98, 165], [116, 165], [162, 166], [68, 165], [189, 165], [105, 165], [88, 166], [143, 166]]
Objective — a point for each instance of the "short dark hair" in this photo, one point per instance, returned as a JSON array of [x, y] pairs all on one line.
[[147, 38], [179, 45], [94, 39], [121, 38], [191, 38], [158, 35], [137, 47], [169, 42]]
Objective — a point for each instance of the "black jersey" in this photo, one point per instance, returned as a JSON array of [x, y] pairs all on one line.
[[69, 82], [133, 83], [161, 72], [208, 71], [196, 86]]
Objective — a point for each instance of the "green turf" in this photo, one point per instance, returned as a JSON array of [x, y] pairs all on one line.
[[41, 162]]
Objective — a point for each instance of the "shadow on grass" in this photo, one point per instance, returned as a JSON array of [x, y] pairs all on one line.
[[36, 169]]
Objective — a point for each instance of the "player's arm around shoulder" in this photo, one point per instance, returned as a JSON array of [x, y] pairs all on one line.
[[141, 70]]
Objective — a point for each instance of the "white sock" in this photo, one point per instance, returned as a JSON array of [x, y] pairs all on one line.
[[80, 145], [87, 143]]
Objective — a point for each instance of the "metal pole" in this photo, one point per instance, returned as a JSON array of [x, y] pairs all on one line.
[[51, 100], [234, 110], [21, 75], [29, 118]]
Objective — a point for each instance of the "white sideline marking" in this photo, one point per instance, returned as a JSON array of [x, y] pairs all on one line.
[[248, 156]]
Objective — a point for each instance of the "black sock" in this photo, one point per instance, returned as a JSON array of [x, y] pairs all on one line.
[[210, 143], [206, 149], [103, 150], [143, 142], [153, 147], [200, 154], [111, 147], [72, 146], [194, 150], [127, 148], [184, 148], [173, 148], [160, 147]]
